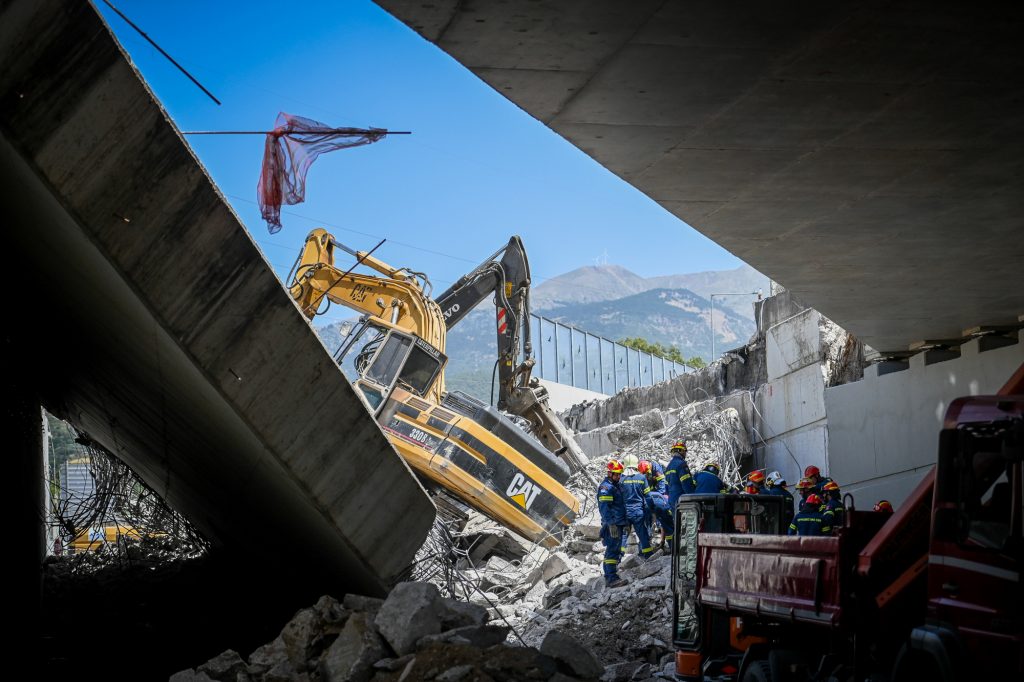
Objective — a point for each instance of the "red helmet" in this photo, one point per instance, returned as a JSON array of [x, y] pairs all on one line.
[[831, 487], [813, 499], [615, 467], [644, 467], [751, 489], [756, 476], [678, 445], [804, 484], [812, 471], [883, 506]]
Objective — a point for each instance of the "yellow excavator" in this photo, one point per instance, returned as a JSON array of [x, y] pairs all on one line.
[[395, 357]]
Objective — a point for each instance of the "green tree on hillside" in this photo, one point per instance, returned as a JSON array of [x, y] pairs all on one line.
[[668, 352]]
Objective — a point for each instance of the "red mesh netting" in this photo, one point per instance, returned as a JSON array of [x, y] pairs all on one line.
[[291, 148]]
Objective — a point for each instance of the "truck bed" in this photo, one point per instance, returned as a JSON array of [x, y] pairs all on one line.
[[799, 579]]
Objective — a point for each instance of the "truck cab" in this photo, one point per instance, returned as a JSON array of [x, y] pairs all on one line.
[[734, 519]]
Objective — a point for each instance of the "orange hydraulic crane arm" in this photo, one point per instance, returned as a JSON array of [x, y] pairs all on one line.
[[397, 297]]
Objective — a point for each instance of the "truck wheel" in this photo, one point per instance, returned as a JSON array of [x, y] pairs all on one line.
[[758, 671]]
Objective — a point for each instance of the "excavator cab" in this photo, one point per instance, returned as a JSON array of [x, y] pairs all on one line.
[[377, 357]]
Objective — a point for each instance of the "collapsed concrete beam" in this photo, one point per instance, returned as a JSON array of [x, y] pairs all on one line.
[[150, 319]]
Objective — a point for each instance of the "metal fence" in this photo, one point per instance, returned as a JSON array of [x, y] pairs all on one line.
[[574, 357]]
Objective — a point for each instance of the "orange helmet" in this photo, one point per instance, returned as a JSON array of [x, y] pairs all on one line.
[[751, 489], [804, 484], [678, 445], [831, 487], [756, 476], [883, 506], [644, 467], [615, 467], [812, 471], [813, 499]]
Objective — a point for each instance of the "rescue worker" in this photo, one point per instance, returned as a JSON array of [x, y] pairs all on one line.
[[755, 480], [804, 488], [658, 499], [635, 491], [834, 502], [817, 480], [777, 486], [707, 481], [883, 506], [677, 476], [612, 506], [811, 520]]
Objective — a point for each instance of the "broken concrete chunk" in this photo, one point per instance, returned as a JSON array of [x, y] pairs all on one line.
[[569, 651], [297, 635], [480, 636], [357, 602], [581, 546], [189, 675], [643, 672], [225, 666], [484, 599], [352, 655], [393, 664], [412, 611], [556, 596], [267, 656], [621, 672], [554, 566], [589, 531], [456, 674], [654, 566], [459, 613], [514, 664], [285, 672]]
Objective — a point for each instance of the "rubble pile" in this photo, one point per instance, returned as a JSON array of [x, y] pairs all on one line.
[[712, 433], [415, 634]]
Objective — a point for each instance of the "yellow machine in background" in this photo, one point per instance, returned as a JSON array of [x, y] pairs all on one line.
[[395, 358]]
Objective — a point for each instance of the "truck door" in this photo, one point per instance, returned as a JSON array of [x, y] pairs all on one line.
[[974, 566]]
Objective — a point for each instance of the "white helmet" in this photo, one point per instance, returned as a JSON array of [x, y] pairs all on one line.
[[630, 461], [775, 478]]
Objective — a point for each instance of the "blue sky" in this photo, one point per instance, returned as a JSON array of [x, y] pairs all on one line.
[[476, 169]]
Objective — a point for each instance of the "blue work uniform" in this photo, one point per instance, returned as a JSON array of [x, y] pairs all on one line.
[[707, 483], [635, 491], [658, 509], [820, 485], [678, 479], [612, 507], [837, 509], [811, 522], [657, 479]]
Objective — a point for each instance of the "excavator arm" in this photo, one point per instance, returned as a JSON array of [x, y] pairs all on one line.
[[399, 297], [505, 277]]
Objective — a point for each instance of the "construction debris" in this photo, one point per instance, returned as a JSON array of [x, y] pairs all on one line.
[[416, 634]]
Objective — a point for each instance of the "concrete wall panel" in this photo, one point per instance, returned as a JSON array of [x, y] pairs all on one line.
[[793, 401], [884, 430], [791, 453], [793, 343]]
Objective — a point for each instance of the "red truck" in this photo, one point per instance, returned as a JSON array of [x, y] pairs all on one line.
[[932, 592]]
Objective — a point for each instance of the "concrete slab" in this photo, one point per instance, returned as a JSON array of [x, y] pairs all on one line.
[[865, 156], [150, 319], [793, 344]]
